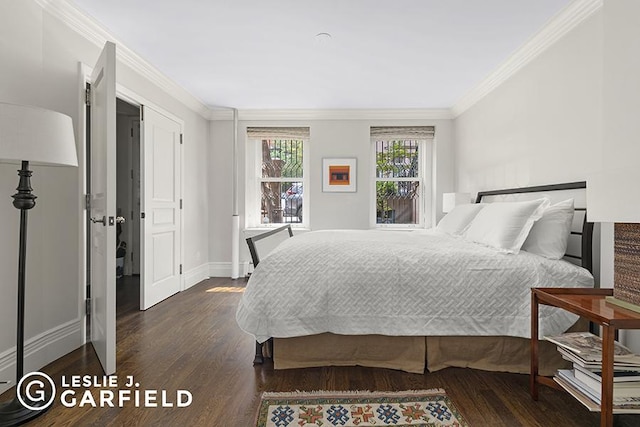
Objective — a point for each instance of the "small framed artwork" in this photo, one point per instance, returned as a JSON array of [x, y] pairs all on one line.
[[339, 175]]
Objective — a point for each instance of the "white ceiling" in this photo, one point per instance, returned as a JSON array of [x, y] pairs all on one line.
[[257, 54]]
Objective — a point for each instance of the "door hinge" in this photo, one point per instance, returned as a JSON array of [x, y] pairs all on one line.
[[87, 97], [132, 132], [131, 173], [180, 139], [180, 203], [180, 268], [142, 113], [87, 201], [142, 215], [87, 306]]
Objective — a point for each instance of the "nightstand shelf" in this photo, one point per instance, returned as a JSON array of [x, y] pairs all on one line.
[[592, 305]]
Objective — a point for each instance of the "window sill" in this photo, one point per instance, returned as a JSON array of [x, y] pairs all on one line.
[[267, 228], [387, 228]]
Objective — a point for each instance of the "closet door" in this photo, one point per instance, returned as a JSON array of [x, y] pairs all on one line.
[[161, 207]]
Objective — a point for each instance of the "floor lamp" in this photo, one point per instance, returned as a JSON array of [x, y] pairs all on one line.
[[41, 137]]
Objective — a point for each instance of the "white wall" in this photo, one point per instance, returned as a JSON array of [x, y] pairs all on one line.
[[543, 125], [39, 56], [621, 142], [329, 138]]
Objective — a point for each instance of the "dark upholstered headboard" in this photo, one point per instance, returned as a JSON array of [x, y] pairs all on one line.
[[580, 247]]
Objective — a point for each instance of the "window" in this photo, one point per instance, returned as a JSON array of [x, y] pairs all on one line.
[[279, 170], [402, 179]]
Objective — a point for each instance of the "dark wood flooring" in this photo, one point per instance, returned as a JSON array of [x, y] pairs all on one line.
[[191, 341]]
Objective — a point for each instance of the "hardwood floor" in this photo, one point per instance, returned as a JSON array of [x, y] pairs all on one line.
[[191, 342]]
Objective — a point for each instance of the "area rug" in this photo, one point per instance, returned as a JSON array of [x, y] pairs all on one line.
[[431, 408]]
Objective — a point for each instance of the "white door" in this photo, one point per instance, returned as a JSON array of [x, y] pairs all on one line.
[[103, 208], [160, 210]]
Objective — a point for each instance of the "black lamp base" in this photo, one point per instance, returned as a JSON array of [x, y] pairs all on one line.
[[13, 413]]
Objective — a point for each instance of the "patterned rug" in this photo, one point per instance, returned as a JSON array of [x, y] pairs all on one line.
[[430, 408]]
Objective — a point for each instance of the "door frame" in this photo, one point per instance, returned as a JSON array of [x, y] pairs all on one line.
[[133, 98], [132, 200]]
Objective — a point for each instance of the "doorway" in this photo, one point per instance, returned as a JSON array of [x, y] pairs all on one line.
[[127, 204], [127, 207], [163, 141]]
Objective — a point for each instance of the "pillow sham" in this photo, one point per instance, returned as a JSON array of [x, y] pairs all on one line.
[[459, 218], [550, 234], [505, 225]]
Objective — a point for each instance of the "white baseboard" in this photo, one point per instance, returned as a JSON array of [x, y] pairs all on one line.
[[219, 269], [42, 350], [223, 269], [213, 269], [195, 276]]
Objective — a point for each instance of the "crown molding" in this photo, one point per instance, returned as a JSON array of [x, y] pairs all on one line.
[[556, 27], [559, 25], [91, 30], [333, 114]]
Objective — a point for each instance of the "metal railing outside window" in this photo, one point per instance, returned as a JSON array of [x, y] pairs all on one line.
[[281, 181]]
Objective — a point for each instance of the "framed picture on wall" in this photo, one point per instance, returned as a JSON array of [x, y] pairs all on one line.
[[339, 175]]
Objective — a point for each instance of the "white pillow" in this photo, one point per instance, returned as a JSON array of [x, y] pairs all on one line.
[[459, 218], [549, 235], [505, 225]]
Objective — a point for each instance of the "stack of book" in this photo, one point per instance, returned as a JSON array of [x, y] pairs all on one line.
[[584, 381]]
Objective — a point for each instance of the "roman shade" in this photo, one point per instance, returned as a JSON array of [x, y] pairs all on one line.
[[386, 133], [278, 132]]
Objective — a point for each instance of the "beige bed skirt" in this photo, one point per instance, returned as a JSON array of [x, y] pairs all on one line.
[[413, 354]]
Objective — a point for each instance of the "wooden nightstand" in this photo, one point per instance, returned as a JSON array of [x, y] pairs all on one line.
[[590, 304]]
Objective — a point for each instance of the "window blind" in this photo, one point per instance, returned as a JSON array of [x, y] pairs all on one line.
[[385, 133], [278, 132]]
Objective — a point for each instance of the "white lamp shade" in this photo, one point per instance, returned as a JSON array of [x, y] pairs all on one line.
[[614, 195], [37, 135], [451, 200]]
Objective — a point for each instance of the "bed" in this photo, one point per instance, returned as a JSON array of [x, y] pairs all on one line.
[[410, 299]]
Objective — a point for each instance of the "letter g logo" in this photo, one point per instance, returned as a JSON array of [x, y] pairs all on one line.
[[33, 389]]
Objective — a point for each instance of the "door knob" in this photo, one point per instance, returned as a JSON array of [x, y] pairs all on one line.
[[120, 219], [102, 220]]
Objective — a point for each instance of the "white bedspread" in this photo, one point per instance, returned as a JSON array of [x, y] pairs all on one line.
[[356, 282]]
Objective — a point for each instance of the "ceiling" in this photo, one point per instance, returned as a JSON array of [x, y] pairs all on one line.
[[256, 54]]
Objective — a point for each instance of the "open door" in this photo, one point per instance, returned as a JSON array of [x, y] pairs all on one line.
[[161, 207], [103, 207]]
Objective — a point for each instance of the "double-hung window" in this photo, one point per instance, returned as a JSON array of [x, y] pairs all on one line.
[[402, 175], [278, 194]]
